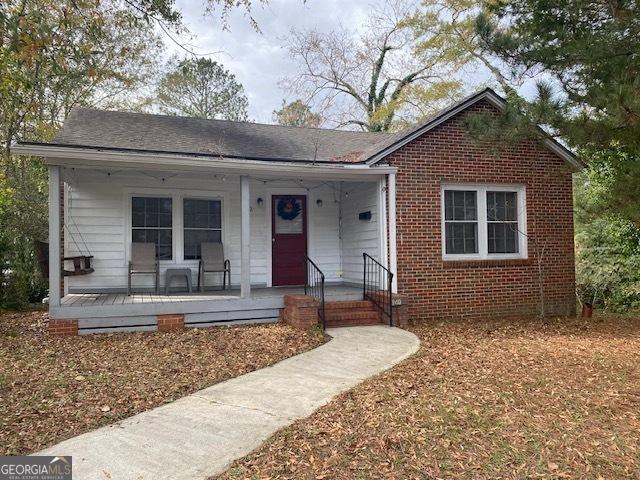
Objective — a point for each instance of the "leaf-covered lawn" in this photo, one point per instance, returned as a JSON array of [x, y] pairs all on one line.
[[554, 399], [52, 388]]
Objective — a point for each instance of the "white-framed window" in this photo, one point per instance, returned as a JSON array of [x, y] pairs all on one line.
[[152, 221], [482, 222], [202, 223], [178, 222]]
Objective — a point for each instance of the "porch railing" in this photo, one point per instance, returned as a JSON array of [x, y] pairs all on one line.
[[376, 286], [314, 287]]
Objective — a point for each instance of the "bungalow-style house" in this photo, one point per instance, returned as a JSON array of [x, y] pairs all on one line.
[[449, 225]]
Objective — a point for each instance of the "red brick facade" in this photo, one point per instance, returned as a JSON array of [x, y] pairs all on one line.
[[63, 327], [450, 289], [300, 311], [170, 323]]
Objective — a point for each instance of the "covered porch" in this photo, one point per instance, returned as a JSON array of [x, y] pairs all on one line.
[[94, 212]]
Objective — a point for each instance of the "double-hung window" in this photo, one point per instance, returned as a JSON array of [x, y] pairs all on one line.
[[202, 224], [461, 222], [483, 222], [152, 222]]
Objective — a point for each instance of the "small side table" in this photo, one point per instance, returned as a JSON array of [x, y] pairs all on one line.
[[172, 273]]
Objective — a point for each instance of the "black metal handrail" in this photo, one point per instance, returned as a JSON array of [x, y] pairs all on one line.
[[314, 287], [377, 281]]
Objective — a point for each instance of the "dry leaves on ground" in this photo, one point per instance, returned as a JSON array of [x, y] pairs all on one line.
[[53, 388], [553, 399]]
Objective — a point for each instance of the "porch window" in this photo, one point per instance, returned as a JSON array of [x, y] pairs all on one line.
[[202, 223], [483, 222], [151, 221]]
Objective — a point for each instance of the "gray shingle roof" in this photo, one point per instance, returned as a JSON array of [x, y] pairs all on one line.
[[125, 131], [184, 135]]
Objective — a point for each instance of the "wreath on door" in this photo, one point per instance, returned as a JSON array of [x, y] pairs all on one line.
[[288, 208]]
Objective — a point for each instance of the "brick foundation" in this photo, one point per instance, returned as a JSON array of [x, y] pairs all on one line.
[[63, 327], [448, 289], [170, 323], [300, 311], [400, 307]]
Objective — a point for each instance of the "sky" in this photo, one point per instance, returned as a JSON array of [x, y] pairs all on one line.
[[259, 60]]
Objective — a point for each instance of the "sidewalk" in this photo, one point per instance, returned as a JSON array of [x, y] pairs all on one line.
[[201, 434]]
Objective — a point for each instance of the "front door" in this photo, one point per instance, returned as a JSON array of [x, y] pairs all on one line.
[[289, 239]]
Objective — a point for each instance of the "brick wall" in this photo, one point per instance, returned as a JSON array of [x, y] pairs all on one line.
[[300, 311], [63, 327], [448, 289], [171, 322]]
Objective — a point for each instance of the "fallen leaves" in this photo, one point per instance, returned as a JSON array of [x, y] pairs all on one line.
[[52, 388], [494, 399]]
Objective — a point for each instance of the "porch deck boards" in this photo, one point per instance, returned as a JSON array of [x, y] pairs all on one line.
[[104, 299]]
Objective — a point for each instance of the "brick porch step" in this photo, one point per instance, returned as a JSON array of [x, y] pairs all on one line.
[[351, 313]]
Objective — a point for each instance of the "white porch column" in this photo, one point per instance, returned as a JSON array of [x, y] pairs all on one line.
[[245, 238], [55, 265], [382, 221], [393, 259]]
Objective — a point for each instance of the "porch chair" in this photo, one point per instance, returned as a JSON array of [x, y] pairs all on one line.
[[143, 262], [212, 261]]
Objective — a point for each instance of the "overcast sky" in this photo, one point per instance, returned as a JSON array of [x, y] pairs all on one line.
[[259, 60]]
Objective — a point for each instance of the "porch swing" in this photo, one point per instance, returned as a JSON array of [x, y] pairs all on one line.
[[81, 263]]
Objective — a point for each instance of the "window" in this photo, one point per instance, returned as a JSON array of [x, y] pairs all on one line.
[[483, 222], [151, 221], [461, 221], [202, 223], [502, 222]]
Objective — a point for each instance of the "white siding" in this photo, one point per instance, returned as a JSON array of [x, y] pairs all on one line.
[[358, 236], [98, 207]]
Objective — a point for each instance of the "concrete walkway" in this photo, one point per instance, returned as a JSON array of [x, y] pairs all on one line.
[[201, 434]]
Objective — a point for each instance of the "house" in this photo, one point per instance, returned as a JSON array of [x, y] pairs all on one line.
[[450, 226]]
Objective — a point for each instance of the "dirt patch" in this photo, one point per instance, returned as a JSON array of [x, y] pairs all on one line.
[[493, 399], [52, 388]]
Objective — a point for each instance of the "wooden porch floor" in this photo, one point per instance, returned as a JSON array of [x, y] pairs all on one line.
[[337, 292]]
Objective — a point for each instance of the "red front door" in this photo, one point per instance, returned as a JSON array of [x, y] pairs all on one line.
[[289, 239]]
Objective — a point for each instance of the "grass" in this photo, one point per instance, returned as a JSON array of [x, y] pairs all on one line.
[[494, 399], [52, 388]]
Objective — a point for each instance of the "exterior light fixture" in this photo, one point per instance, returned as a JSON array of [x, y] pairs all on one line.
[[319, 202], [259, 201]]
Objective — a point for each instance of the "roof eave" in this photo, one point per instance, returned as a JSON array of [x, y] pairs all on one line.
[[65, 155]]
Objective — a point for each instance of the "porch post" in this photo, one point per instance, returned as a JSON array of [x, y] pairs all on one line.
[[245, 238], [55, 262], [382, 221], [393, 261]]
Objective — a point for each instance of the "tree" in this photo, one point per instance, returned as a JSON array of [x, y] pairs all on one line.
[[202, 88], [607, 245], [296, 114], [372, 81], [587, 52], [55, 55]]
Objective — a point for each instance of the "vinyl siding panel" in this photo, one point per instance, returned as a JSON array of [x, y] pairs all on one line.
[[358, 236], [98, 210]]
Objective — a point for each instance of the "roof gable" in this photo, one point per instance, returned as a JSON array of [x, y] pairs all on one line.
[[390, 145]]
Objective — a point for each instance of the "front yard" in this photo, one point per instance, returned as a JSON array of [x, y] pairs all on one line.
[[554, 399], [52, 388]]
